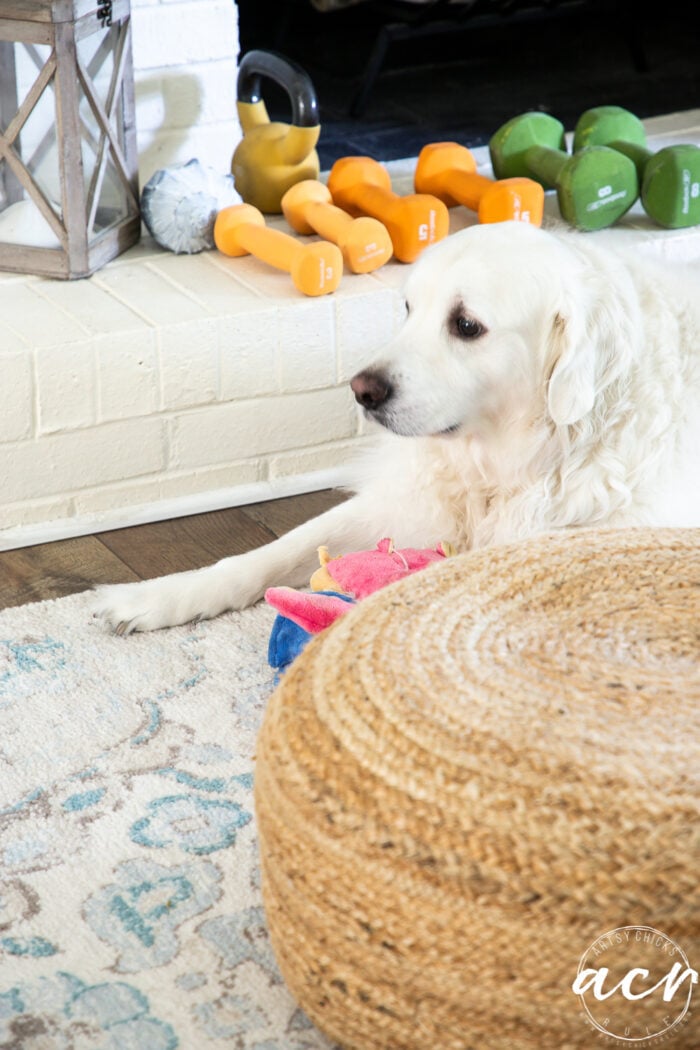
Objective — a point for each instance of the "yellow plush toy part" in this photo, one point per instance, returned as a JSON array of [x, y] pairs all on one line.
[[322, 580]]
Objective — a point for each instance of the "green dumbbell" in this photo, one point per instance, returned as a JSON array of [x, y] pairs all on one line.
[[594, 187], [670, 179]]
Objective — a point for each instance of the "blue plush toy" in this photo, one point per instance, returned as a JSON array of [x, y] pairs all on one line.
[[304, 615]]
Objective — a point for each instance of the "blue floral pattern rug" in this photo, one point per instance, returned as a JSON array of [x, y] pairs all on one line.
[[130, 907]]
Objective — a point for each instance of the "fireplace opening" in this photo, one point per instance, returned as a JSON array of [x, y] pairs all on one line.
[[490, 60]]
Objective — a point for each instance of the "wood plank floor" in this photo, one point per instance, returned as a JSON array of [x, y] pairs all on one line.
[[53, 570]]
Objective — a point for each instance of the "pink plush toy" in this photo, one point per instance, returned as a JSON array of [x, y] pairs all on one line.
[[365, 572], [343, 581]]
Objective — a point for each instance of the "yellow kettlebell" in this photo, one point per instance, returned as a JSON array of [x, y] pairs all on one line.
[[273, 157]]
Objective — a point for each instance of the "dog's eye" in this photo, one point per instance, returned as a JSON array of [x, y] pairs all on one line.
[[467, 327]]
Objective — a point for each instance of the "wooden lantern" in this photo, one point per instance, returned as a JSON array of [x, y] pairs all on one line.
[[68, 161]]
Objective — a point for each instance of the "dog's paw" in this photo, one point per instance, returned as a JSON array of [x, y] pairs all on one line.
[[152, 604]]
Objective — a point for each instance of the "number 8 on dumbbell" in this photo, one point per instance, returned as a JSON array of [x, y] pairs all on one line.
[[595, 187]]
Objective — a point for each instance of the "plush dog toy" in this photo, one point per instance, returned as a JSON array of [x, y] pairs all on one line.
[[337, 585]]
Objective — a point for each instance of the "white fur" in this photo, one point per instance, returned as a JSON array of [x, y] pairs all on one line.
[[578, 406]]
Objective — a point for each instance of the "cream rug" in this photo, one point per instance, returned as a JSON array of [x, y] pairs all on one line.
[[130, 908]]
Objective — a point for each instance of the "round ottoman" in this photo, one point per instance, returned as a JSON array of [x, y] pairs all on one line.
[[475, 774]]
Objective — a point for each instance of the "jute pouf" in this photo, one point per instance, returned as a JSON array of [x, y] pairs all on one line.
[[474, 775]]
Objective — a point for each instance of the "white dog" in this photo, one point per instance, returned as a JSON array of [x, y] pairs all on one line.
[[539, 382]]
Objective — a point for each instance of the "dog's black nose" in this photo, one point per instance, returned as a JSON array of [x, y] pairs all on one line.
[[371, 389]]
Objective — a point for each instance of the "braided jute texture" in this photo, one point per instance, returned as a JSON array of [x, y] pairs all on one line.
[[475, 774]]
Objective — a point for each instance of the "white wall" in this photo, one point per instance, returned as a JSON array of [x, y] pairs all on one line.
[[185, 63]]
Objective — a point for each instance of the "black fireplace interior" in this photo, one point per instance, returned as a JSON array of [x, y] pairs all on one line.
[[391, 75]]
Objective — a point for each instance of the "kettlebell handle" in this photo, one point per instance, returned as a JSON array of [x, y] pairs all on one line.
[[289, 75]]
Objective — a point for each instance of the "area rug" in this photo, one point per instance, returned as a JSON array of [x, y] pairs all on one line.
[[130, 908]]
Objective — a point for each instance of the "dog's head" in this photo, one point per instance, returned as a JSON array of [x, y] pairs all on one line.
[[503, 324]]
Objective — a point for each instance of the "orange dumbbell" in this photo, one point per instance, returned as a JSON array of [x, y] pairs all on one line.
[[448, 170], [365, 243], [315, 268], [363, 187]]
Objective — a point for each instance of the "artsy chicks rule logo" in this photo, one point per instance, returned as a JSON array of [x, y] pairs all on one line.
[[635, 986]]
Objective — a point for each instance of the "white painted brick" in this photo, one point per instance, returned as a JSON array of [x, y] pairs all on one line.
[[365, 324], [66, 462], [92, 307], [258, 427], [10, 341], [189, 362], [212, 144], [66, 387], [127, 375], [150, 295], [33, 319], [113, 497], [202, 93], [179, 34], [683, 125], [325, 457], [149, 491], [248, 351], [401, 172], [7, 276], [216, 290], [213, 478], [393, 275], [16, 397], [142, 251], [17, 514], [216, 93], [307, 345], [151, 110], [266, 280]]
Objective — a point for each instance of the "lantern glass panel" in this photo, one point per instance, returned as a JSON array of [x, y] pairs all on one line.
[[35, 146], [105, 192]]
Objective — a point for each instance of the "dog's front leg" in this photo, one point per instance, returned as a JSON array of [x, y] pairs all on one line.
[[239, 581]]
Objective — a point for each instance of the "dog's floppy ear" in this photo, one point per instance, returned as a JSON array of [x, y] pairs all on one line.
[[571, 391]]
